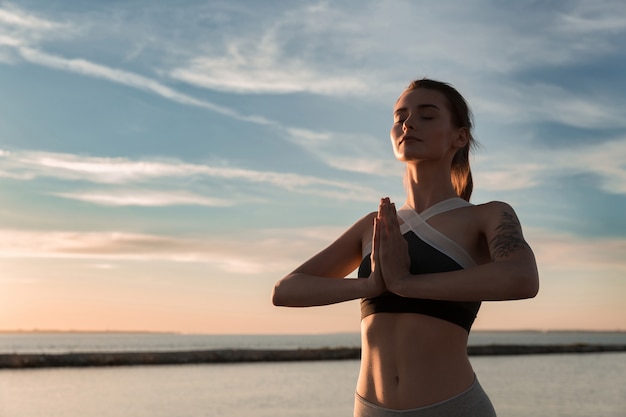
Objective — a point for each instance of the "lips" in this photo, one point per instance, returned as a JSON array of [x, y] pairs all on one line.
[[408, 138]]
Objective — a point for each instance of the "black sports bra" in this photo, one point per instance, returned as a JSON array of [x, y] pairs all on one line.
[[430, 252]]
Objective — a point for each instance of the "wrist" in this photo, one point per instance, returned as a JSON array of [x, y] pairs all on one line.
[[372, 286], [398, 285]]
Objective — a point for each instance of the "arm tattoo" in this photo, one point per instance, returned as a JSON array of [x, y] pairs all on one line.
[[508, 237]]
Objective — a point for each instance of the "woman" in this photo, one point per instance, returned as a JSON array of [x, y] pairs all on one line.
[[425, 267]]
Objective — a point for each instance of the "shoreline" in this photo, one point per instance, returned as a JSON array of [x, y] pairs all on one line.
[[90, 359]]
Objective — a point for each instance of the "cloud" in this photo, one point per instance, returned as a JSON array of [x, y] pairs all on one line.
[[341, 50], [485, 55], [144, 198], [360, 153], [27, 165], [279, 250], [134, 80], [605, 160], [12, 16], [589, 17], [130, 79], [289, 50], [255, 68], [561, 252], [269, 56], [26, 31], [305, 138], [19, 28], [520, 165], [265, 251], [538, 102], [509, 177]]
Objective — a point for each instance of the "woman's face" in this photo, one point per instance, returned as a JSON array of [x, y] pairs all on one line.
[[422, 127]]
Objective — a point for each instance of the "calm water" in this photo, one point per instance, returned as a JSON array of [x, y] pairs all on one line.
[[573, 385], [99, 342]]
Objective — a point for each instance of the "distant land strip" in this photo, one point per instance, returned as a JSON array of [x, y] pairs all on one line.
[[85, 359]]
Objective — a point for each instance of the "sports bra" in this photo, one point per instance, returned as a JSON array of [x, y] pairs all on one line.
[[430, 251]]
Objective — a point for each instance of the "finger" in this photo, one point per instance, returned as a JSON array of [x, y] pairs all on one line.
[[375, 234], [393, 217], [381, 206], [376, 237], [390, 216], [382, 214]]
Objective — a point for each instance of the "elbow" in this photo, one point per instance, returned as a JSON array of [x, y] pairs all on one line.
[[279, 297], [528, 287], [533, 289], [526, 293]]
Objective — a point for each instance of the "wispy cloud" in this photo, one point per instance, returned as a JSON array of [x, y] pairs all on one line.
[[509, 177], [360, 153], [130, 79], [606, 160], [145, 198], [590, 17], [12, 16], [305, 138], [276, 250], [592, 255], [367, 56], [521, 165], [28, 165], [23, 32], [291, 79], [20, 28], [264, 60], [269, 58], [255, 68], [264, 251], [537, 102]]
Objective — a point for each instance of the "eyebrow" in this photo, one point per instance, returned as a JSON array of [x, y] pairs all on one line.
[[421, 106]]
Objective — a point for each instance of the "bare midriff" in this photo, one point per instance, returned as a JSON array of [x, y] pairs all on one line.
[[410, 360]]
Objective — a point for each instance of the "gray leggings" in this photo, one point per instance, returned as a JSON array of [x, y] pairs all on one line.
[[472, 403]]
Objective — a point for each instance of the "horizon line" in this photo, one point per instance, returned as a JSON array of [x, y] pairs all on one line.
[[177, 332]]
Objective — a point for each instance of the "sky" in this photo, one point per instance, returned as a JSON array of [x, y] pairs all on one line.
[[163, 164]]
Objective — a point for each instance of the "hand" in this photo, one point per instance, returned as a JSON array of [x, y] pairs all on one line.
[[375, 282], [392, 249]]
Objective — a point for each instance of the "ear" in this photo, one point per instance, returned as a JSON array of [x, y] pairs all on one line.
[[462, 138]]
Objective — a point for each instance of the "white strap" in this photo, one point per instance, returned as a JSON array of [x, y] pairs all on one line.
[[417, 223], [440, 207]]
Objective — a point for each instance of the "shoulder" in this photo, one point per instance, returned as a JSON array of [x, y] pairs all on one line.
[[502, 229], [362, 227], [365, 224], [495, 213], [493, 206], [369, 217]]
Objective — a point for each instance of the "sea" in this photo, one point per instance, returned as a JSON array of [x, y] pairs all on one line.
[[565, 385]]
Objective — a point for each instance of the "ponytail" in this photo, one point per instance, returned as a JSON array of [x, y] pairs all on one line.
[[461, 173]]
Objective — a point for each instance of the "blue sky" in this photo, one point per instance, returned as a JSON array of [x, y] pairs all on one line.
[[162, 164]]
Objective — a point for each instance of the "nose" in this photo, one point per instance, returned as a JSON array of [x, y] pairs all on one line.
[[408, 124]]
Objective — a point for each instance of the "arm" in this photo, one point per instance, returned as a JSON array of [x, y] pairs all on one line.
[[319, 280], [511, 274]]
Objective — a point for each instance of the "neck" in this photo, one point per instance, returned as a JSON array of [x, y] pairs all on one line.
[[426, 186]]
